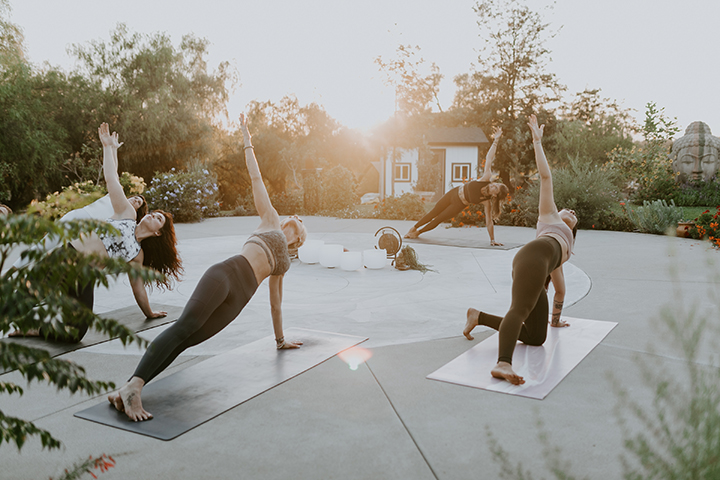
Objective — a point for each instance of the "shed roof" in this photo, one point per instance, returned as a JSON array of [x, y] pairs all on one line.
[[456, 136]]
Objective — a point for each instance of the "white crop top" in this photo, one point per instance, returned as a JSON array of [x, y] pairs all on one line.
[[124, 246]]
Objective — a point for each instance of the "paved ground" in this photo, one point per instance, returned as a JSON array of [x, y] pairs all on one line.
[[385, 420]]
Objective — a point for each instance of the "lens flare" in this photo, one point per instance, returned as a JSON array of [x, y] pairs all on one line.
[[355, 356]]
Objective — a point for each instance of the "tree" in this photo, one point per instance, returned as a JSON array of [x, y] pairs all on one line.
[[415, 93], [510, 81], [162, 100], [590, 127], [36, 296], [12, 48]]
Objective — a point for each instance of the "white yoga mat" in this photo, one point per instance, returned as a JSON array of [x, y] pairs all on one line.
[[543, 368]]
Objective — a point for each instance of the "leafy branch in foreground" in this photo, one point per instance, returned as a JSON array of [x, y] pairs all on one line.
[[35, 297]]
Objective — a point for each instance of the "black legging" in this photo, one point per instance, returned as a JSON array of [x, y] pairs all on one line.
[[84, 294], [445, 209], [527, 318], [223, 291]]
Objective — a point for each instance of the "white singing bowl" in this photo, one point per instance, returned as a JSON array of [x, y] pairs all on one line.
[[309, 252], [330, 255], [375, 259], [351, 261]]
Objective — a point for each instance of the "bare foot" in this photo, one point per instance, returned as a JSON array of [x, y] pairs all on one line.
[[413, 233], [127, 400], [33, 332], [472, 321], [504, 371]]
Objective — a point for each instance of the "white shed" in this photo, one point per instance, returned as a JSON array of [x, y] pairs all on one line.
[[456, 149]]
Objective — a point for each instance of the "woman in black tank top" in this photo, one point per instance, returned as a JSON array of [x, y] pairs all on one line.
[[534, 265], [223, 291], [482, 191]]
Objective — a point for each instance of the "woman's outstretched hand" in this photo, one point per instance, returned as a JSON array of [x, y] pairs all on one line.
[[244, 128], [497, 133], [537, 131], [106, 138]]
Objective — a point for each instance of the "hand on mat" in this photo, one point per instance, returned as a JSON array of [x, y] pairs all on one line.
[[559, 324], [289, 344], [157, 315], [493, 243]]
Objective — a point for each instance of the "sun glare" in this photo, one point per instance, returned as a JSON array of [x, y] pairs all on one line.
[[355, 356]]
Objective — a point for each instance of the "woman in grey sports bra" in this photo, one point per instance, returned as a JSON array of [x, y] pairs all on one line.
[[223, 291], [533, 266]]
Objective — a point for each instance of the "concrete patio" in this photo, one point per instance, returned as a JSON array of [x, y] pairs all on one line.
[[385, 420]]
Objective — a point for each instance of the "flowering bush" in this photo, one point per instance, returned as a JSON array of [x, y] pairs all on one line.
[[407, 206], [471, 215], [81, 194], [189, 195], [707, 226]]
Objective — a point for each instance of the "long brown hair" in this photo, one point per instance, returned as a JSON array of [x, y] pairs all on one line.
[[161, 253], [142, 210], [498, 201]]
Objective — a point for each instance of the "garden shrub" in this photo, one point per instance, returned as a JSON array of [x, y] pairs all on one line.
[[287, 203], [312, 193], [339, 190], [189, 195], [582, 187], [698, 193], [656, 217], [407, 206], [81, 194], [610, 220]]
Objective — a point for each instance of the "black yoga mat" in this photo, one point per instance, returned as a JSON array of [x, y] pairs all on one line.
[[130, 316], [191, 397], [429, 239]]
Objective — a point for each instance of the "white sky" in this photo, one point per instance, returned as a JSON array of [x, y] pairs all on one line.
[[636, 51]]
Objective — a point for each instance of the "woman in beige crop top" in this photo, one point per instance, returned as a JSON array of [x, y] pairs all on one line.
[[527, 318], [223, 291]]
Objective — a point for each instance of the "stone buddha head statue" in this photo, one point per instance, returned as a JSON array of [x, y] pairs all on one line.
[[695, 154]]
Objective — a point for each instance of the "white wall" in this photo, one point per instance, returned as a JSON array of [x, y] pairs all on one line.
[[459, 154], [453, 154], [404, 156]]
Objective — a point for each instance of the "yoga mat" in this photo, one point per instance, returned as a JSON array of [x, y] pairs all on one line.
[[130, 316], [543, 368], [191, 397], [428, 239]]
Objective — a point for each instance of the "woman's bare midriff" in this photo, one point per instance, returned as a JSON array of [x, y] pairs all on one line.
[[258, 261]]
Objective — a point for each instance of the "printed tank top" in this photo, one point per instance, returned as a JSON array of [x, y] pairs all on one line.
[[275, 248], [124, 246]]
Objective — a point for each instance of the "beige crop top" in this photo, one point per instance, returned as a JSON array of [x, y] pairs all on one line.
[[560, 232]]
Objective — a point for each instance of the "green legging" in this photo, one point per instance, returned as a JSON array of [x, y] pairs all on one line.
[[527, 318]]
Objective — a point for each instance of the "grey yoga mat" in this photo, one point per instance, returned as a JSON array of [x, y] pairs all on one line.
[[191, 397]]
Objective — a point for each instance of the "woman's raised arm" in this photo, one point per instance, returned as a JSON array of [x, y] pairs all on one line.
[[548, 212], [490, 157], [110, 143], [268, 214]]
